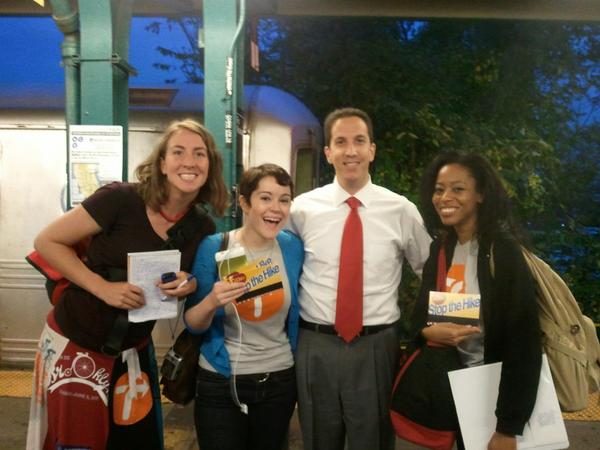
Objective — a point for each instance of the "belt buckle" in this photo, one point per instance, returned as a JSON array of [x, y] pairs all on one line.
[[264, 378]]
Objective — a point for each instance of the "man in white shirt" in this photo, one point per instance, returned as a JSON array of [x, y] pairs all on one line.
[[344, 387]]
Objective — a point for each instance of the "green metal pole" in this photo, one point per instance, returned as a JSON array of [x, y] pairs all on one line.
[[97, 93], [220, 26], [95, 52], [67, 21], [122, 22]]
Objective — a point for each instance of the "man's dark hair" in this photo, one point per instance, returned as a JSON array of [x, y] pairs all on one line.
[[343, 113]]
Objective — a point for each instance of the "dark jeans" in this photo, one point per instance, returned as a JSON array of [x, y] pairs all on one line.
[[220, 425]]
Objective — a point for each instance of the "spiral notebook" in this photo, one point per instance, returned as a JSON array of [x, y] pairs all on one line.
[[144, 270]]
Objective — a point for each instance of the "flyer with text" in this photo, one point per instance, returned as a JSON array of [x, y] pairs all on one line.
[[463, 309]]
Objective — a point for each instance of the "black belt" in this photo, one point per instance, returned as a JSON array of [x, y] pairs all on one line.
[[254, 377], [330, 329], [262, 377]]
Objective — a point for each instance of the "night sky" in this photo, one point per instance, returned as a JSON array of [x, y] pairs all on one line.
[[31, 52]]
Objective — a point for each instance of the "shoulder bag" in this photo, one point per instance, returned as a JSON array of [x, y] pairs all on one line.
[[180, 365], [422, 409]]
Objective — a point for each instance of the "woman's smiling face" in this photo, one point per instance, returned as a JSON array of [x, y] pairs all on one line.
[[268, 208], [456, 199], [186, 163]]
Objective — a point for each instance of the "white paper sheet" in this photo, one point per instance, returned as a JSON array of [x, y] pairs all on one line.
[[144, 270], [475, 392]]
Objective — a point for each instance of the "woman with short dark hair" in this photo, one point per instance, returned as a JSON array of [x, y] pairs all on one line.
[[248, 314]]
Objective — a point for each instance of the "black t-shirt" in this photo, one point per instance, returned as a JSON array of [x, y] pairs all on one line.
[[121, 213]]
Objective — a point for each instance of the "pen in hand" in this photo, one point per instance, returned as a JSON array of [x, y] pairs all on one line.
[[186, 281]]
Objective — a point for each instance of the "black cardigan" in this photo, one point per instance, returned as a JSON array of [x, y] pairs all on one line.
[[511, 326]]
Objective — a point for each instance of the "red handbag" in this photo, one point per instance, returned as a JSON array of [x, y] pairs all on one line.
[[422, 408]]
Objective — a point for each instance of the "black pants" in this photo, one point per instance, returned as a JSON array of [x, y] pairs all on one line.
[[220, 425]]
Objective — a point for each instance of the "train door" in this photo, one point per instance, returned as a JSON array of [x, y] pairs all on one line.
[[32, 178]]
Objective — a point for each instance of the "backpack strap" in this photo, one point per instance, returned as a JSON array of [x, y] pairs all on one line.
[[186, 228], [120, 326], [492, 263], [114, 341], [442, 268], [224, 241]]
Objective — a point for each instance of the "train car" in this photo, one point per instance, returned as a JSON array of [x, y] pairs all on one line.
[[276, 128]]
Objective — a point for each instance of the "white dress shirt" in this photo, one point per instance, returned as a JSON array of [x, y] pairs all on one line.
[[392, 231]]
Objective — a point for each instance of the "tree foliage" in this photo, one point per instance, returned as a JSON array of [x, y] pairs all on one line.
[[186, 60], [525, 94]]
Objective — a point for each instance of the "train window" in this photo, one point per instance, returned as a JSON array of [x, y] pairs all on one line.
[[305, 170]]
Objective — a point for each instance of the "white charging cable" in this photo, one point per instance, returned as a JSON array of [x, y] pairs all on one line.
[[243, 407], [232, 382]]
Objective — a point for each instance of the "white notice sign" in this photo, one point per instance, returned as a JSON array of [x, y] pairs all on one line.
[[95, 159]]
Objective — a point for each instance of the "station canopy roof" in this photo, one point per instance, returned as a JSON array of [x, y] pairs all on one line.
[[588, 10]]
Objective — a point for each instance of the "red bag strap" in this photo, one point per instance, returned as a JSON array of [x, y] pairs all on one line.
[[405, 366], [441, 269]]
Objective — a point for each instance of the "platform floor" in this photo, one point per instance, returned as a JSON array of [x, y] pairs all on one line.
[[583, 428]]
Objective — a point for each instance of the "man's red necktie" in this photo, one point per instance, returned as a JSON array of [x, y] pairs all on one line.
[[349, 305]]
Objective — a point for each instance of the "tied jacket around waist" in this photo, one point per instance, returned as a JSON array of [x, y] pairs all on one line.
[[510, 324]]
